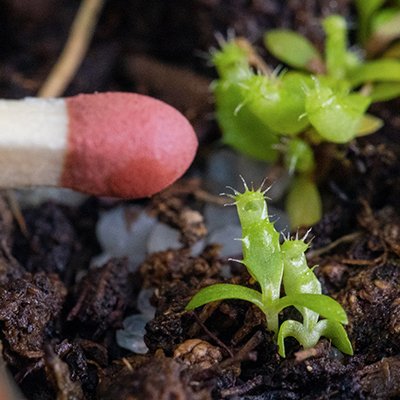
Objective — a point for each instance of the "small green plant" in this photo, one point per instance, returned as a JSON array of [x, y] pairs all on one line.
[[319, 98], [268, 262]]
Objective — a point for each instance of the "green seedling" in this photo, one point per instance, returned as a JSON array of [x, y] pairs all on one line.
[[298, 278], [266, 261], [323, 98]]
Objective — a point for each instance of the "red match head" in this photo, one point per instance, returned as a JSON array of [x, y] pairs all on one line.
[[125, 145]]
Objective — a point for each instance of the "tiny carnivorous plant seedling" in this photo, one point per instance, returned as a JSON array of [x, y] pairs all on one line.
[[298, 278], [268, 262]]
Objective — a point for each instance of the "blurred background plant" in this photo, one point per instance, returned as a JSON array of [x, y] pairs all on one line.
[[286, 115]]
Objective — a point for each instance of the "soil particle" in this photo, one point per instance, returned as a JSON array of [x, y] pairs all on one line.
[[384, 224], [169, 327], [374, 174], [158, 378], [10, 268], [81, 361], [59, 375], [370, 300], [51, 243], [102, 297], [173, 265], [27, 307], [333, 225], [381, 380], [198, 352], [171, 207], [6, 221]]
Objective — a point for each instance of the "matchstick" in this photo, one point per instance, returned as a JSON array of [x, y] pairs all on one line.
[[110, 144]]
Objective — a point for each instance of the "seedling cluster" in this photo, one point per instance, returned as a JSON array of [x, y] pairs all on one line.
[[286, 115], [272, 264]]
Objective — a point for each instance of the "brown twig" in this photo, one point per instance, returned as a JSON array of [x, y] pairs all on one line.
[[243, 389], [16, 212], [212, 336], [75, 49], [344, 239]]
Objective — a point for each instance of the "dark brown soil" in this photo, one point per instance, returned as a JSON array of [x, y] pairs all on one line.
[[58, 337]]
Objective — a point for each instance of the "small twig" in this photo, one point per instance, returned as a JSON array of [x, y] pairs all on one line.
[[254, 59], [245, 353], [212, 336], [344, 239], [16, 211], [205, 313], [75, 49], [208, 197], [243, 389], [127, 364]]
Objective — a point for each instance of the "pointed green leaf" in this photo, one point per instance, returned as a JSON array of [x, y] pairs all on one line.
[[303, 203], [319, 303], [224, 291], [289, 328], [384, 70], [366, 9], [291, 48], [298, 156], [241, 129], [385, 28], [335, 46], [337, 334], [336, 117], [385, 91], [231, 61], [369, 124], [278, 102], [393, 51]]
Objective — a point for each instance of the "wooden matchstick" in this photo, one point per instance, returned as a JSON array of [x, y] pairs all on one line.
[[111, 144]]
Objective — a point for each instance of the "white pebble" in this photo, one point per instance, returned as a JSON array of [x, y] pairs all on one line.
[[136, 323], [143, 303], [162, 237], [226, 236], [221, 169], [131, 337], [99, 260], [121, 234], [216, 216], [131, 342], [225, 167]]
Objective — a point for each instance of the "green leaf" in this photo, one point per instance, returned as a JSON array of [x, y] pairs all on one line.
[[335, 117], [289, 328], [303, 202], [291, 48], [335, 331], [278, 102], [319, 303], [385, 91], [384, 70], [369, 124], [309, 337], [231, 61], [299, 156], [335, 46], [385, 28], [365, 9], [224, 291], [393, 51], [242, 129]]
